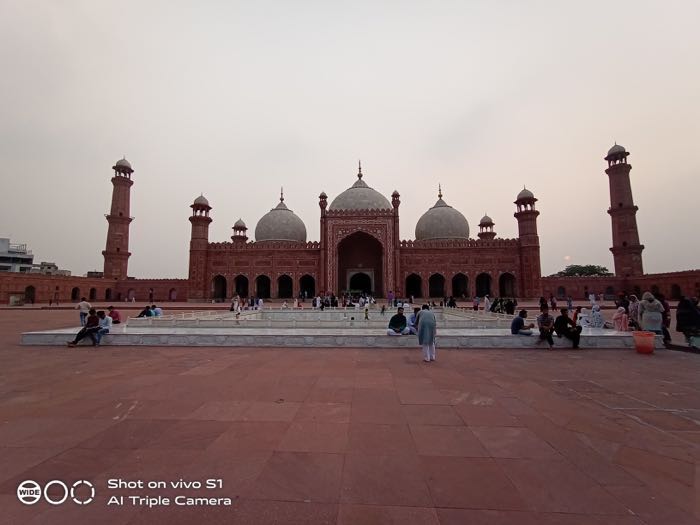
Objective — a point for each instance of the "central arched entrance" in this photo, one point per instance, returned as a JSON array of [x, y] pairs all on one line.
[[360, 255], [360, 282]]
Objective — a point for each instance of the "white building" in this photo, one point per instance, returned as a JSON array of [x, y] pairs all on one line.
[[15, 257]]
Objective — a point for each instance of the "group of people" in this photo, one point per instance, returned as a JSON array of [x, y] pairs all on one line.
[[422, 323], [499, 305], [151, 311], [239, 303], [95, 324], [562, 325]]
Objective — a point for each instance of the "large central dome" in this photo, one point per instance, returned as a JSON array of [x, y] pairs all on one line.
[[442, 221], [280, 224], [359, 196]]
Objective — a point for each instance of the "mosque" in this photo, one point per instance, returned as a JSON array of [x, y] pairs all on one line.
[[359, 250]]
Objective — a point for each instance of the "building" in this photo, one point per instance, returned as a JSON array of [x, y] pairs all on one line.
[[359, 250], [49, 268], [15, 257]]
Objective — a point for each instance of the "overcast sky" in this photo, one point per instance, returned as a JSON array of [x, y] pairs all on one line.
[[235, 99]]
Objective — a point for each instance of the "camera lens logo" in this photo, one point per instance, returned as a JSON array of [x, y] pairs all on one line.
[[29, 492]]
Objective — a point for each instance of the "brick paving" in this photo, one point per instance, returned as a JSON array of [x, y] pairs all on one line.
[[352, 436]]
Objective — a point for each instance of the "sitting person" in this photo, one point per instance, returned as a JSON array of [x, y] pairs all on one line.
[[518, 326], [115, 315], [582, 318], [545, 323], [146, 312], [687, 319], [105, 326], [564, 326], [92, 325], [597, 320], [413, 321], [621, 319], [157, 310], [398, 324]]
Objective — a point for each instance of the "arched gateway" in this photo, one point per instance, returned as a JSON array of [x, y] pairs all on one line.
[[360, 264]]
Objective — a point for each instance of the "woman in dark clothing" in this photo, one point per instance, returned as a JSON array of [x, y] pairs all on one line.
[[687, 318]]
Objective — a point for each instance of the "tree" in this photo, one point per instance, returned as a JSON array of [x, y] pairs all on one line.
[[575, 270]]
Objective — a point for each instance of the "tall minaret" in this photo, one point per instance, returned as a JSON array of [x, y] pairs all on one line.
[[199, 244], [530, 269], [627, 252], [116, 253]]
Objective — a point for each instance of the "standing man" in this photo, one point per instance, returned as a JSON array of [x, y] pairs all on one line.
[[545, 323], [427, 327], [84, 308]]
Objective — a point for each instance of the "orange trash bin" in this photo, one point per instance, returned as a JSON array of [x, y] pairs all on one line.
[[644, 342]]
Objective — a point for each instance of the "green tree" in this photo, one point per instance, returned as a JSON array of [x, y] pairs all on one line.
[[584, 269]]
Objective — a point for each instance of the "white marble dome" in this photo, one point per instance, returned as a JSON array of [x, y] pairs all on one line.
[[123, 163], [359, 196], [525, 194], [616, 149], [442, 221], [280, 224], [201, 201]]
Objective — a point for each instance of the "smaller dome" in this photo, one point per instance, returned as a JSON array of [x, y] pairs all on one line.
[[616, 149], [395, 193], [280, 224], [123, 163], [323, 195], [240, 225], [442, 221], [525, 194], [486, 221], [201, 201]]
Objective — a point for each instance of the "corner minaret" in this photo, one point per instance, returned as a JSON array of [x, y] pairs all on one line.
[[627, 252], [199, 244], [530, 269], [116, 252]]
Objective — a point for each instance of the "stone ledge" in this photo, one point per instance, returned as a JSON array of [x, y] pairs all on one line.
[[338, 338]]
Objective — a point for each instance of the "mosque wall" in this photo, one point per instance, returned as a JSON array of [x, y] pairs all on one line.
[[464, 267], [672, 284], [269, 269]]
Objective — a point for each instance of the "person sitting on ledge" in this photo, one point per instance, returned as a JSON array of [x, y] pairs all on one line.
[[105, 326], [564, 326], [545, 323], [413, 321], [146, 312], [115, 315], [518, 326], [92, 325], [397, 324]]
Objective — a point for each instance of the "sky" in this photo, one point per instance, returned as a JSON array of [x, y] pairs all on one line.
[[237, 99]]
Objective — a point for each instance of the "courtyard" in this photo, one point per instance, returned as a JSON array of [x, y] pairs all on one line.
[[350, 436]]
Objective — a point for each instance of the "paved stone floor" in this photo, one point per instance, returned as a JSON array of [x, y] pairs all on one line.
[[352, 436]]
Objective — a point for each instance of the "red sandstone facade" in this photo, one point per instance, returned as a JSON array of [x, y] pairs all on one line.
[[359, 249]]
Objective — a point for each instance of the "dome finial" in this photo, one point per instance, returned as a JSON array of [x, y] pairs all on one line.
[[359, 169], [439, 191], [281, 193]]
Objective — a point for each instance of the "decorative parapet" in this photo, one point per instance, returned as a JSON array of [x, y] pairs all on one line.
[[460, 243], [373, 213], [264, 245]]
